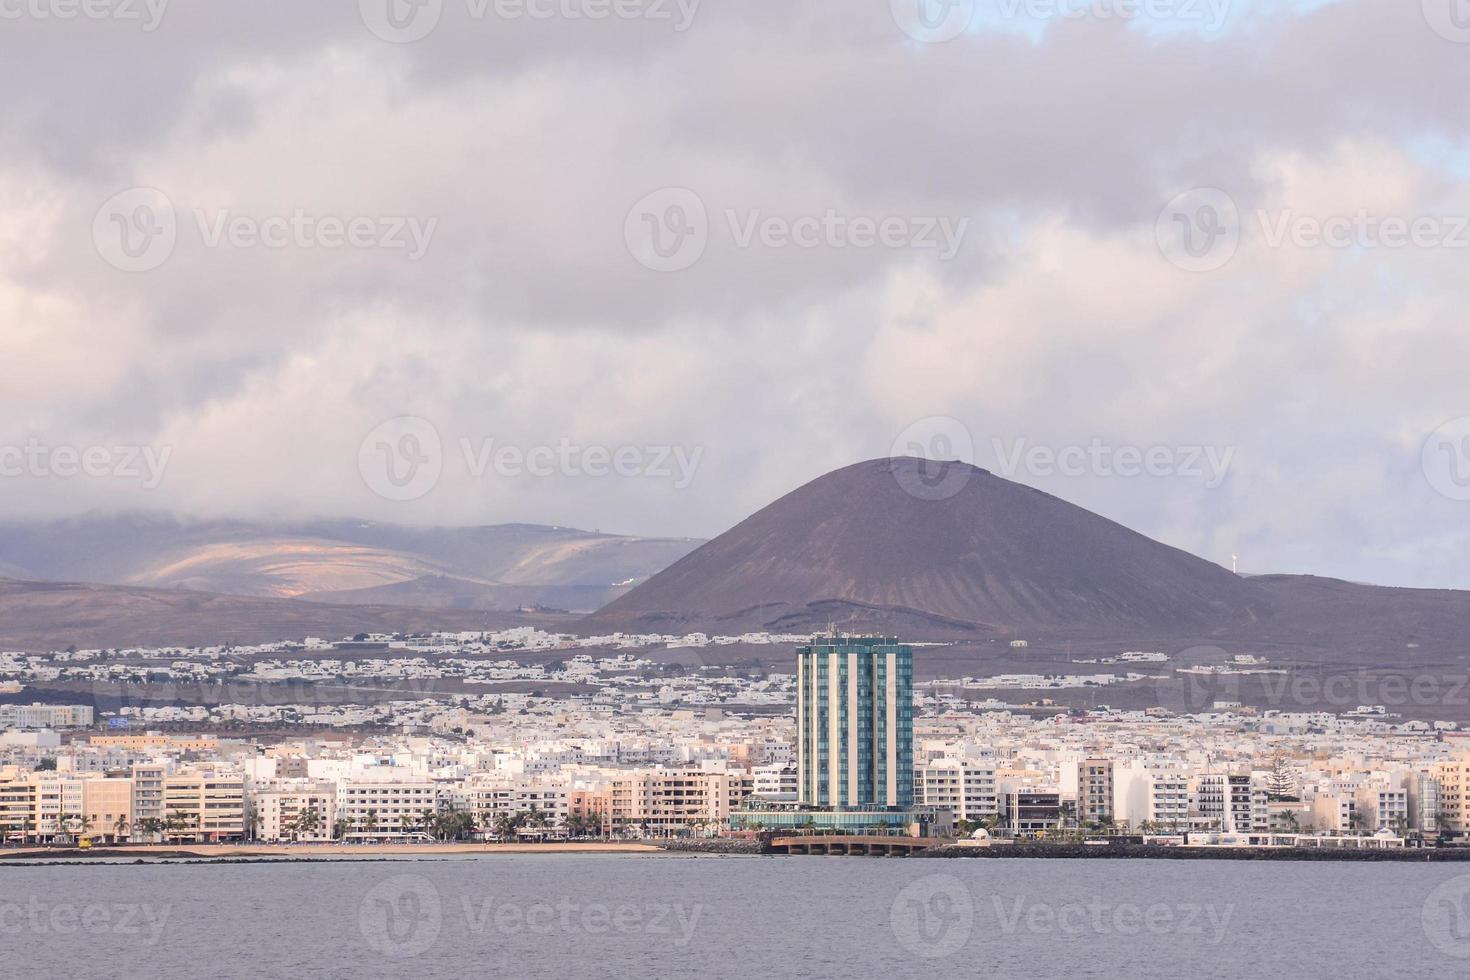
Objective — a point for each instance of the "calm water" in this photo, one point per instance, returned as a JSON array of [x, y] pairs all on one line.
[[571, 916]]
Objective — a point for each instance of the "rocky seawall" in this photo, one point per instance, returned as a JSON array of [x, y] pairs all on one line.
[[1162, 853]]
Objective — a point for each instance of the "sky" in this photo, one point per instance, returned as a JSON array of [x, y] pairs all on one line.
[[643, 266]]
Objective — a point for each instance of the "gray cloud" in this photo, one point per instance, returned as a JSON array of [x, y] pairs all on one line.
[[528, 321]]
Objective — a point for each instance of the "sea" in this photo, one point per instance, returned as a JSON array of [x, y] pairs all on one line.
[[625, 915]]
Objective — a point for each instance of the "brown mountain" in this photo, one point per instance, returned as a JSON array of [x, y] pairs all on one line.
[[41, 616], [341, 561], [870, 543]]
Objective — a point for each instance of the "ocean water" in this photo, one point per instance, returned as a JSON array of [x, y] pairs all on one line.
[[576, 916]]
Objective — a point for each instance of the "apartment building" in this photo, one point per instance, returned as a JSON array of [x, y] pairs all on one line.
[[1095, 791], [1153, 795], [964, 787], [379, 809], [1382, 807], [30, 716], [17, 804], [776, 783], [1335, 813], [1453, 777], [297, 813], [148, 798], [663, 803], [204, 806], [1029, 810], [107, 806], [487, 799], [1423, 796], [1234, 803]]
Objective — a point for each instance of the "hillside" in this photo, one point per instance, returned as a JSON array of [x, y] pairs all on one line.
[[356, 562], [857, 547]]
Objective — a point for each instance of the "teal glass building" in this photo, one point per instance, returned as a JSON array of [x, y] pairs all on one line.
[[855, 723]]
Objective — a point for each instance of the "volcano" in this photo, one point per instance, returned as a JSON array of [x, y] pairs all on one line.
[[915, 545]]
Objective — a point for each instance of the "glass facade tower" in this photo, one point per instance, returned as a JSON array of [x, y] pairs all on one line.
[[855, 722]]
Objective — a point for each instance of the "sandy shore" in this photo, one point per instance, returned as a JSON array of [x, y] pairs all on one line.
[[316, 852]]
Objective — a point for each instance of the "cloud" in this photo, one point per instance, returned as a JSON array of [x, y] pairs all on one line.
[[519, 145]]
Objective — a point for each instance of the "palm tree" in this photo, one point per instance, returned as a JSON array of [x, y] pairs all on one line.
[[506, 824], [1443, 826], [536, 819], [252, 824], [75, 826], [370, 823], [119, 827], [340, 827]]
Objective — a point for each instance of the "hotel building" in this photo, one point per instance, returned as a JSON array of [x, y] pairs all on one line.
[[855, 725]]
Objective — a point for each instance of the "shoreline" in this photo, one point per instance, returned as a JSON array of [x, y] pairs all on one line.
[[288, 853]]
